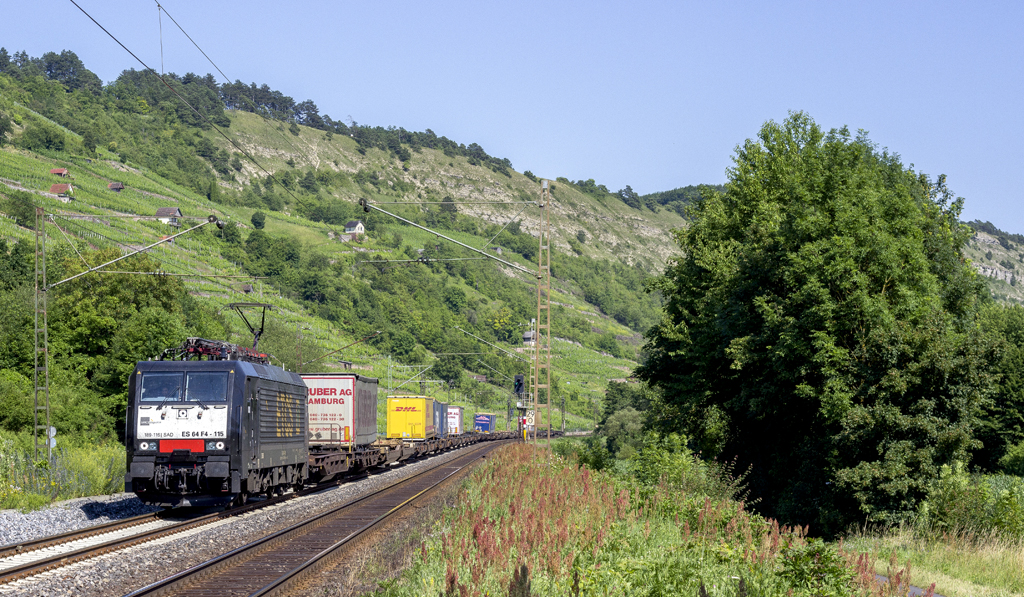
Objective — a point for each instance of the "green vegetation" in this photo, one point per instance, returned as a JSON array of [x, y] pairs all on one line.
[[531, 523], [283, 243], [76, 470], [822, 328]]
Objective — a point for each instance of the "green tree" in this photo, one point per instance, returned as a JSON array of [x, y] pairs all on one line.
[[823, 311], [449, 209], [42, 136], [624, 430], [20, 205], [15, 401], [502, 323], [90, 141], [1002, 422], [258, 219], [231, 234], [6, 126], [308, 182], [449, 369], [455, 298]]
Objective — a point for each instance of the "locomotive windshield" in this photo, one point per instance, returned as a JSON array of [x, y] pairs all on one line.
[[206, 387], [196, 386]]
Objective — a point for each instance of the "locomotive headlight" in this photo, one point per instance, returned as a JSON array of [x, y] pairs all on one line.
[[220, 445], [144, 445]]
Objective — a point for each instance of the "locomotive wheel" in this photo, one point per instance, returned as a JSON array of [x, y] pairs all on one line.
[[241, 499]]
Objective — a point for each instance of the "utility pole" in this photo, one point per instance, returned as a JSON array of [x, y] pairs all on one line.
[[41, 372], [298, 347], [541, 369]]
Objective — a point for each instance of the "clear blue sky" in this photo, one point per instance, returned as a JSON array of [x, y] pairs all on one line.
[[655, 95]]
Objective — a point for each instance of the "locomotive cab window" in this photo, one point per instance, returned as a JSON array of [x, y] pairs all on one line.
[[157, 387], [201, 387], [206, 387]]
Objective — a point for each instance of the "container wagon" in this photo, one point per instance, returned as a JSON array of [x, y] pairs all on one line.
[[342, 424], [410, 418], [485, 422]]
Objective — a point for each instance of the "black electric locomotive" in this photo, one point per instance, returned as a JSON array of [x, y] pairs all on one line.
[[204, 433]]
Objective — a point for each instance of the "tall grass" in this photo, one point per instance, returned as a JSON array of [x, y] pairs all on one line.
[[535, 524], [72, 471], [959, 562]]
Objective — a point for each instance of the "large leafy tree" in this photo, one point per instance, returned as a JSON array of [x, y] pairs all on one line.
[[1002, 424], [820, 326]]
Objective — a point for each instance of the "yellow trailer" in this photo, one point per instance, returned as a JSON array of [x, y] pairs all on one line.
[[411, 418]]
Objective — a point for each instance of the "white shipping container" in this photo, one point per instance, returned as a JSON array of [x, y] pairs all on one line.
[[454, 420], [342, 409]]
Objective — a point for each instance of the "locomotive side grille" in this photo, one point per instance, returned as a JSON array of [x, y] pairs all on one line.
[[282, 414]]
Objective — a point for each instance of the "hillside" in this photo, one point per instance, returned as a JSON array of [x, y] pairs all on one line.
[[999, 257], [328, 289]]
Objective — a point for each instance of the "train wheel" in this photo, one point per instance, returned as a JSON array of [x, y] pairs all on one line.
[[241, 499]]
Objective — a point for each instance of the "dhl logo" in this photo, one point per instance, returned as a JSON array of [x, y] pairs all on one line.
[[406, 409]]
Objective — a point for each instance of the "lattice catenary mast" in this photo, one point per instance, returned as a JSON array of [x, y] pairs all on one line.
[[540, 370]]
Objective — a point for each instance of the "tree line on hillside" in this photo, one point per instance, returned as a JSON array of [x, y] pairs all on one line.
[[823, 331], [1007, 240], [108, 116], [676, 199], [168, 141]]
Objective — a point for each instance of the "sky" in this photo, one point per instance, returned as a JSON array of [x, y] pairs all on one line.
[[655, 95]]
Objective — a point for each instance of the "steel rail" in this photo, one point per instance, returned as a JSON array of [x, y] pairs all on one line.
[[327, 557], [229, 573], [63, 559], [23, 547]]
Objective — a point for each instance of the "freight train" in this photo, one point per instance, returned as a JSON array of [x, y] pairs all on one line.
[[213, 423]]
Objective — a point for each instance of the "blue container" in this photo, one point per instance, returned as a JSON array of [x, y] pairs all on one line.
[[440, 419], [484, 422]]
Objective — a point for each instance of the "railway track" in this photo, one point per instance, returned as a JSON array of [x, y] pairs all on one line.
[[28, 558], [277, 563]]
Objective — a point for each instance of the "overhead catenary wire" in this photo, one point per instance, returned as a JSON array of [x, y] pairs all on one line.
[[161, 8], [155, 257], [190, 106], [227, 79], [255, 111]]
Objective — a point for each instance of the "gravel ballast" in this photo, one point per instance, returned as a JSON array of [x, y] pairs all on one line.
[[69, 515], [127, 570]]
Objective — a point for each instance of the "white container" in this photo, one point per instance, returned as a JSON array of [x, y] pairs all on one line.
[[455, 420], [342, 409]]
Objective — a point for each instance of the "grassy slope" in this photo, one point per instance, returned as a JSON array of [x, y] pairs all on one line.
[[613, 230], [617, 230]]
